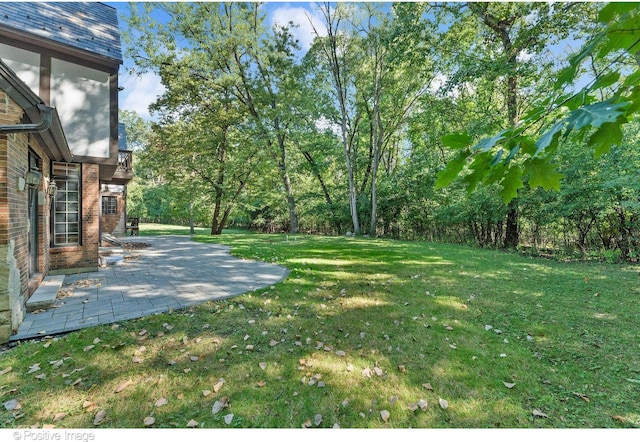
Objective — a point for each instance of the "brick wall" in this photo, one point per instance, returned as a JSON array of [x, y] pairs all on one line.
[[85, 256], [115, 224], [15, 287]]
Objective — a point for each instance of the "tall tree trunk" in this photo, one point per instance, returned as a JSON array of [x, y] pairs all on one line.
[[501, 29]]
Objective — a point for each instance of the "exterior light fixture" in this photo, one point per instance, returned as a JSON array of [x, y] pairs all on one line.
[[52, 189], [33, 178]]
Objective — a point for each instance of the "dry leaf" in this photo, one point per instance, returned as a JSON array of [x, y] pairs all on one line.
[[124, 385], [34, 368], [538, 413], [273, 343], [99, 418], [582, 396], [413, 407], [88, 347], [160, 402], [194, 358], [402, 368], [263, 365], [41, 376], [6, 370], [317, 419], [249, 347], [378, 371], [422, 403], [192, 424], [306, 424], [137, 360], [219, 405], [59, 416], [228, 418], [509, 384], [88, 405], [340, 353], [444, 404], [149, 420], [384, 414], [218, 386], [366, 372], [12, 404], [260, 384], [428, 386]]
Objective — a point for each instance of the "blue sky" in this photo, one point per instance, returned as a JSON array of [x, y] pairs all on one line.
[[140, 91]]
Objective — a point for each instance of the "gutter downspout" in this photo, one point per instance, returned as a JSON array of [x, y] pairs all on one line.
[[46, 117]]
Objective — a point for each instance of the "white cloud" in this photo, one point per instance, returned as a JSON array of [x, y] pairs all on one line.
[[139, 92], [300, 16]]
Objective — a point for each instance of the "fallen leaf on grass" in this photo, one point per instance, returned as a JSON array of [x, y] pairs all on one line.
[[160, 402], [538, 413], [89, 406], [6, 370], [273, 343], [99, 417], [228, 418], [402, 368], [428, 386], [12, 405], [260, 384], [306, 424], [219, 405], [582, 396], [192, 424], [218, 386], [444, 404], [124, 385], [509, 384], [34, 368], [88, 347], [59, 416], [149, 420], [340, 353], [318, 419], [378, 371], [422, 403], [384, 414], [263, 365], [366, 372]]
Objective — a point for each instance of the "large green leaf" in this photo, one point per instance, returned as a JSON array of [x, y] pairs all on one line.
[[606, 136], [511, 182], [595, 115], [457, 140], [542, 174], [452, 169], [550, 138], [490, 142]]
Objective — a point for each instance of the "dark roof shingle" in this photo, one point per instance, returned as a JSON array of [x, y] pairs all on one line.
[[88, 26]]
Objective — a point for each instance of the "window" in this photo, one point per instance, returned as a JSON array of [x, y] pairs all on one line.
[[109, 205], [66, 208]]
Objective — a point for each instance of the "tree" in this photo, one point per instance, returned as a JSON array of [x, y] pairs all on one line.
[[225, 47], [592, 114]]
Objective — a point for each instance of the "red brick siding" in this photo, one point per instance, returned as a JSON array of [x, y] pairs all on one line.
[[110, 223], [85, 255]]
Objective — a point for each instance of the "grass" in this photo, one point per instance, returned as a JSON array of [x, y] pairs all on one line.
[[360, 326]]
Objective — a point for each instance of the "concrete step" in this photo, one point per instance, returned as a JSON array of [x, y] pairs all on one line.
[[46, 293]]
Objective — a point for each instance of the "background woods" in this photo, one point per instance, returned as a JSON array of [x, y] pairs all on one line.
[[495, 124]]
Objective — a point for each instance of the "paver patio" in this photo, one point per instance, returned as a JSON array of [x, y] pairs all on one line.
[[172, 273]]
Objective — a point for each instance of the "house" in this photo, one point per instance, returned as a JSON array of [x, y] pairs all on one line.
[[59, 144]]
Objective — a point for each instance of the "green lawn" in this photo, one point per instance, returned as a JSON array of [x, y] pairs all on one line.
[[364, 333]]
